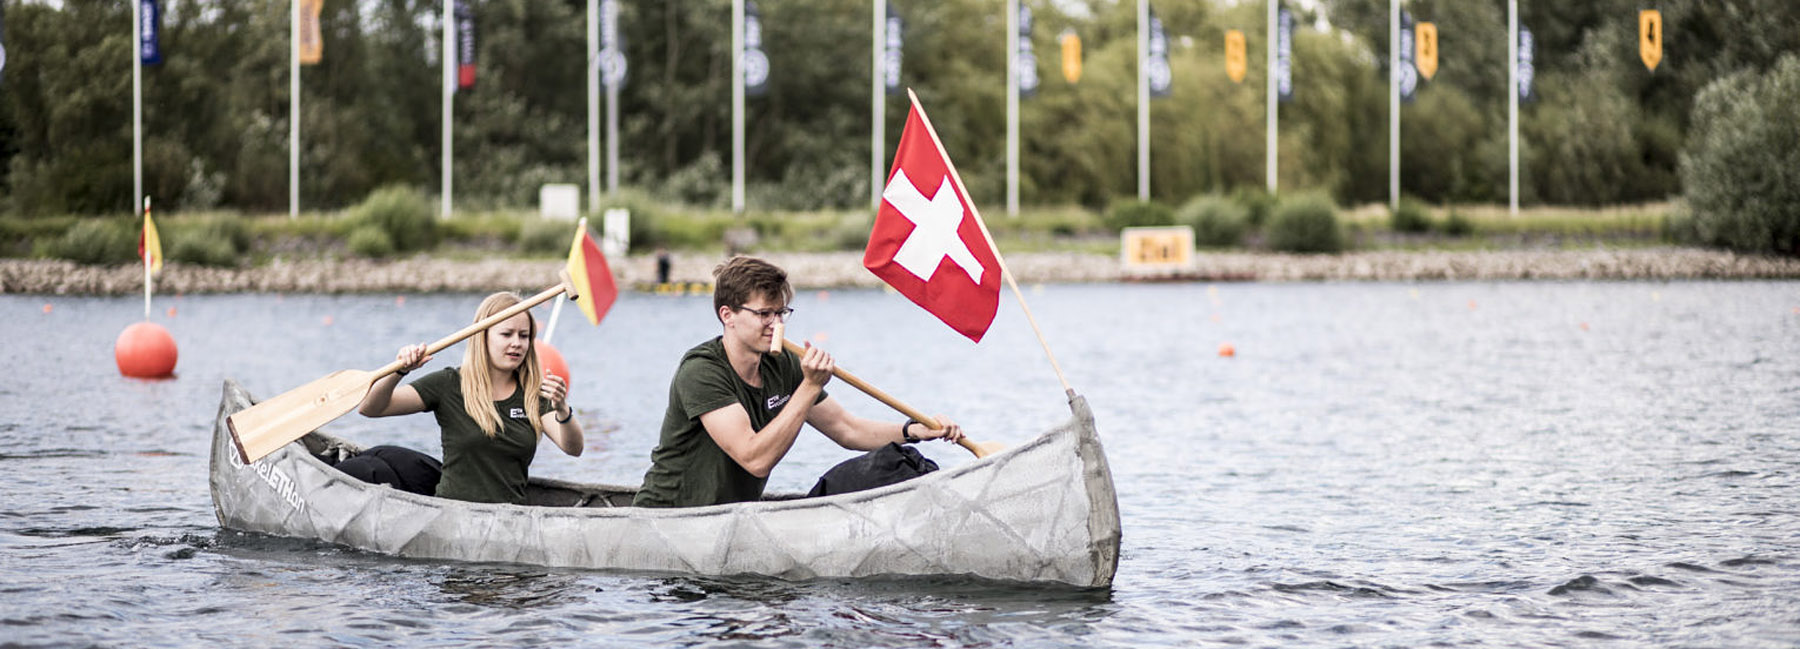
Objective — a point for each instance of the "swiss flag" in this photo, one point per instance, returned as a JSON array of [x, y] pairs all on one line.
[[928, 240]]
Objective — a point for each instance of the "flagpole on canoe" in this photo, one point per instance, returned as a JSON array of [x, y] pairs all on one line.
[[556, 311], [989, 236]]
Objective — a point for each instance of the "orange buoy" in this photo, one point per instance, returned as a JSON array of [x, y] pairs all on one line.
[[145, 350], [1584, 326], [48, 309], [171, 312], [1227, 351], [553, 362], [824, 296], [399, 300], [1471, 305], [326, 321], [821, 338]]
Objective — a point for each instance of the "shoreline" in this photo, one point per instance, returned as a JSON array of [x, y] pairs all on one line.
[[844, 270]]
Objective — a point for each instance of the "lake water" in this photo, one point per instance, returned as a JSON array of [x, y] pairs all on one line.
[[1507, 464]]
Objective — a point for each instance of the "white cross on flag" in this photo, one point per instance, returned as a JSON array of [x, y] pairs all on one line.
[[928, 241]]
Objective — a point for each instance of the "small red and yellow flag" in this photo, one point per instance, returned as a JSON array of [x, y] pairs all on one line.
[[150, 245], [591, 278]]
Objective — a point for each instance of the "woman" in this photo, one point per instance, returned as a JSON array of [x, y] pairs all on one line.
[[489, 440]]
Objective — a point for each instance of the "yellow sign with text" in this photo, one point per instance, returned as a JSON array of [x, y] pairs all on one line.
[[1425, 34], [1650, 37], [1236, 63], [1160, 249]]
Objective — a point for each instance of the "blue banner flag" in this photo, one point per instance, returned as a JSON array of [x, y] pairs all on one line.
[[2, 41], [1284, 56], [465, 44], [1525, 70], [1408, 74], [1156, 61], [1025, 66], [756, 64], [612, 46], [149, 24], [893, 55]]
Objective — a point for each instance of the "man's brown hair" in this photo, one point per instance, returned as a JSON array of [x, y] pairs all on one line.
[[739, 279]]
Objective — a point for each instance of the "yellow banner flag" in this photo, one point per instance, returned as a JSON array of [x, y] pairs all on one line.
[[1425, 35], [1650, 37], [312, 46], [150, 245], [1236, 62], [1071, 55]]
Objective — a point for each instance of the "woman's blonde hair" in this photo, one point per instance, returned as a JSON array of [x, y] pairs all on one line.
[[478, 393]]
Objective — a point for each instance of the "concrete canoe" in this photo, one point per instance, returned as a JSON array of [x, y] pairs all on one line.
[[1044, 511]]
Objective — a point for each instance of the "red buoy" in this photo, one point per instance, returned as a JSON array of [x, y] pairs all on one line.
[[145, 350], [553, 362]]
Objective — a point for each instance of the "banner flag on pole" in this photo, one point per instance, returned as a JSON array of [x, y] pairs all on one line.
[[1650, 37], [465, 44], [590, 278], [895, 49], [928, 241], [1409, 74], [1525, 70], [1071, 55], [149, 47], [1426, 35], [150, 245], [312, 46], [1025, 66], [1156, 65], [2, 41], [756, 64], [613, 65], [1284, 56]]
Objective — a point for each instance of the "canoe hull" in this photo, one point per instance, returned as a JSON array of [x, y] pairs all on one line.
[[1043, 511]]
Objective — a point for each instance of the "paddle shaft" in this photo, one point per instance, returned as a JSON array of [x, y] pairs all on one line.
[[884, 397], [482, 325]]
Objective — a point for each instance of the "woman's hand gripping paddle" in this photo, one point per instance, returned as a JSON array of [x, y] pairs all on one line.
[[980, 449], [260, 429]]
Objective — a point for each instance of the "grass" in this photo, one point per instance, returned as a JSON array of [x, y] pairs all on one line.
[[519, 233]]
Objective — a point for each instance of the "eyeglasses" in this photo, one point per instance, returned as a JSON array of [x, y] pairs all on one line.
[[769, 314]]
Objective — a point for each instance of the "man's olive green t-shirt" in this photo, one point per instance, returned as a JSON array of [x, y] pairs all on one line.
[[687, 468], [478, 468]]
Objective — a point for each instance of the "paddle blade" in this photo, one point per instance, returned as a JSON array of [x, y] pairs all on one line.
[[260, 429]]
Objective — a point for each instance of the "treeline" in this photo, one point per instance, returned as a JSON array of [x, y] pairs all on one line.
[[1603, 129]]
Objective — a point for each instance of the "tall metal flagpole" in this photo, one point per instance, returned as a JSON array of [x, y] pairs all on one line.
[[593, 111], [877, 102], [737, 106], [1012, 107], [449, 96], [1394, 104], [1273, 123], [294, 110], [137, 106], [1512, 106], [1143, 99], [612, 112]]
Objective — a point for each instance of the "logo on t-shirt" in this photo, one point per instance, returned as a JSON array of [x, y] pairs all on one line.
[[778, 401], [518, 413]]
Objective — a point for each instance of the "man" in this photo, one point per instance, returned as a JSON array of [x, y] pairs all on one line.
[[737, 401]]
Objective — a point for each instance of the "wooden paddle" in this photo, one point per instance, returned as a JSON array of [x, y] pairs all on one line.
[[260, 429], [980, 449]]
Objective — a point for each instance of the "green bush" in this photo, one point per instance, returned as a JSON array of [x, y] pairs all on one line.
[[97, 242], [1305, 224], [543, 236], [213, 241], [1457, 225], [1410, 217], [1218, 222], [370, 241], [1258, 201], [1132, 214], [400, 212], [1742, 165]]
